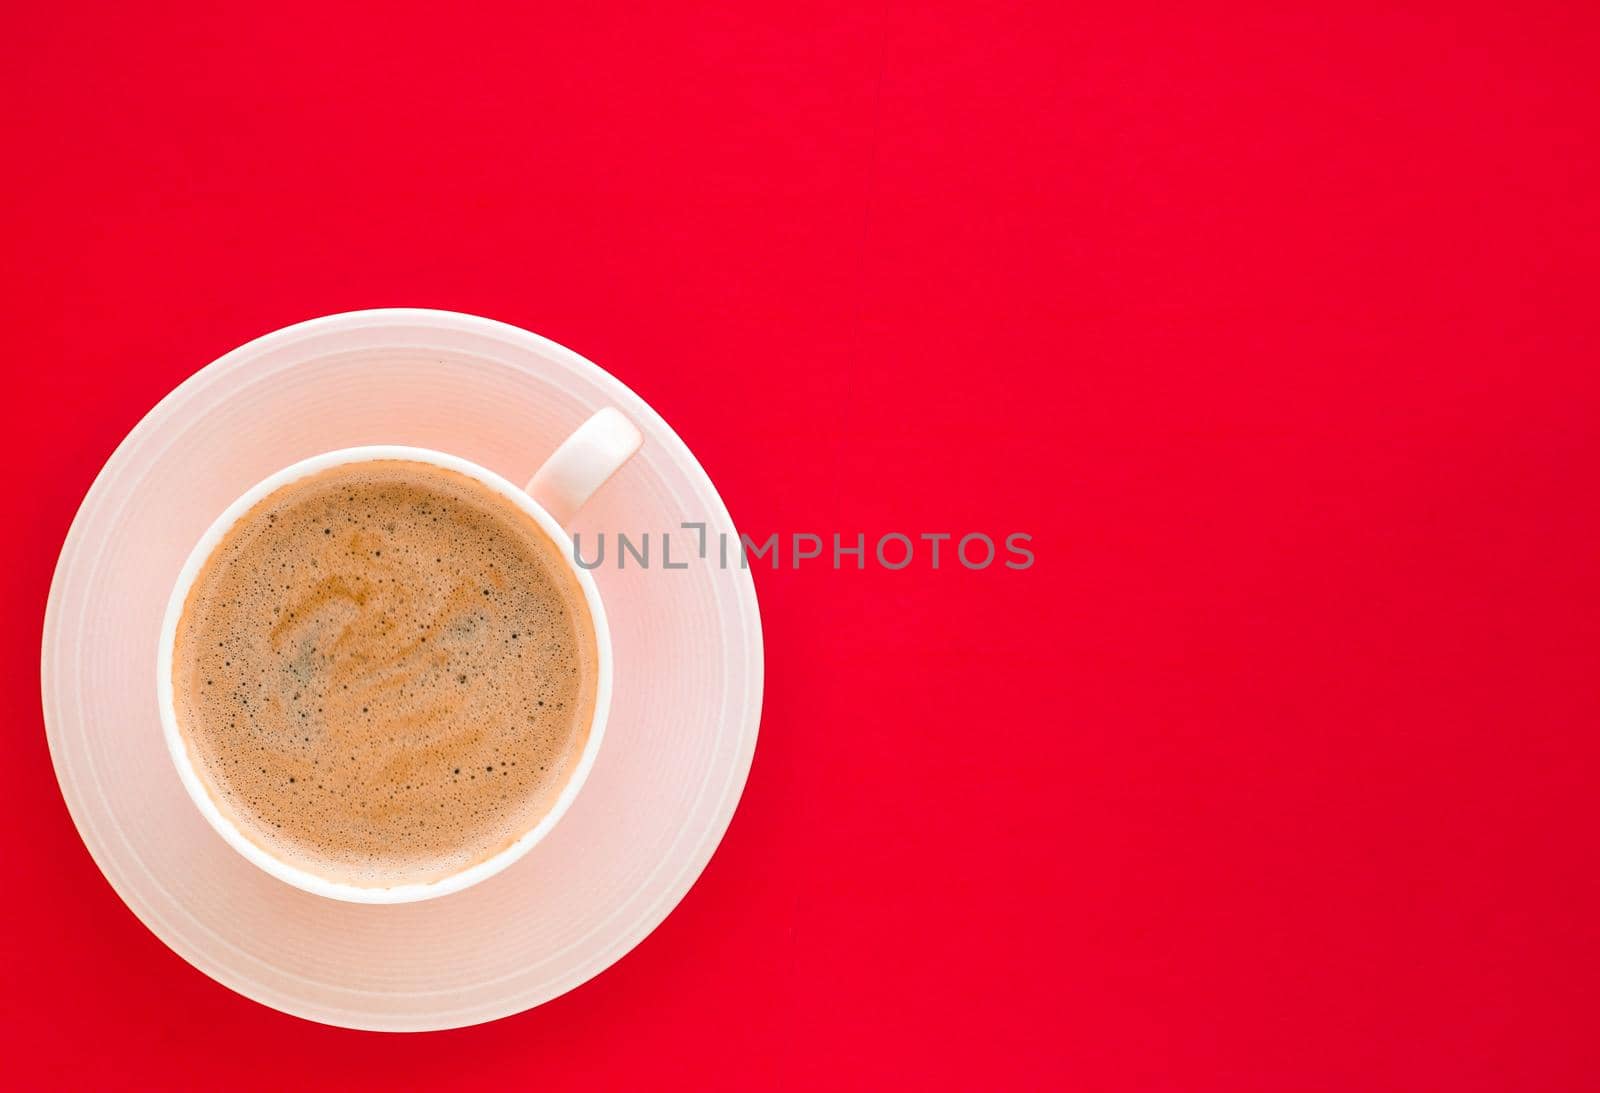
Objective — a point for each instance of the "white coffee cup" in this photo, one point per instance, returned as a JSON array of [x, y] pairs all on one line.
[[576, 469]]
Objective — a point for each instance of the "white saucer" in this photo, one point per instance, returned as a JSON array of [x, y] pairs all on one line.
[[677, 748]]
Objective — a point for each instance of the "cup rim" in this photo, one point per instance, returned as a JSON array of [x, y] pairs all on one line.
[[178, 750]]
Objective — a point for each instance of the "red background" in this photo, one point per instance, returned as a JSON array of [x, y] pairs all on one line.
[[1276, 330]]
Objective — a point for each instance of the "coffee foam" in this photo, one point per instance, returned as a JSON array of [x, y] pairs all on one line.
[[385, 673]]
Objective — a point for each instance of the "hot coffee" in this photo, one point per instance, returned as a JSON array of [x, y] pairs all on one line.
[[385, 673]]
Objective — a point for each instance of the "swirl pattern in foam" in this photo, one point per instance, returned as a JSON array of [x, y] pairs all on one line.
[[385, 673]]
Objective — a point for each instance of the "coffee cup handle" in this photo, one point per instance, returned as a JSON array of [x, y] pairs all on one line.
[[593, 453]]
